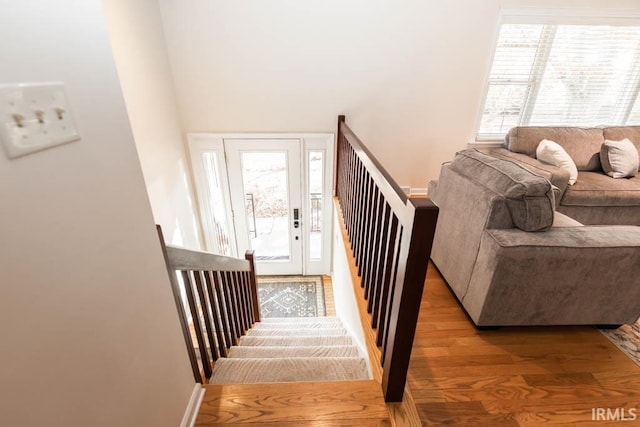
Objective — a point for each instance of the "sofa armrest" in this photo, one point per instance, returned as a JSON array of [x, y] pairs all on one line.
[[557, 176], [564, 276]]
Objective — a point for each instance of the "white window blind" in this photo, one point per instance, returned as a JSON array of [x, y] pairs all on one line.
[[566, 75]]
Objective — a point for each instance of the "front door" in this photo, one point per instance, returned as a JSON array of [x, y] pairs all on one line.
[[265, 187], [270, 193]]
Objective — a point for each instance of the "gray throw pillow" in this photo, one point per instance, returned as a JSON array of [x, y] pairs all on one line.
[[619, 159]]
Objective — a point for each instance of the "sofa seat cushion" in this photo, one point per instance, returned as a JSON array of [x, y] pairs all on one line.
[[529, 197], [598, 189], [582, 144]]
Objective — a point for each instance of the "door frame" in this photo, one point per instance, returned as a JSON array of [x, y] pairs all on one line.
[[199, 143]]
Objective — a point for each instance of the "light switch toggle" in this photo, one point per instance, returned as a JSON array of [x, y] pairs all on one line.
[[19, 119], [60, 113], [40, 116]]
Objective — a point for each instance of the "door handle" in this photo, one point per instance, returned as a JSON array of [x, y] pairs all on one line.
[[296, 218]]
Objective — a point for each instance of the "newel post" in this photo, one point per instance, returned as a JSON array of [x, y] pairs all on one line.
[[254, 285], [339, 148], [412, 271]]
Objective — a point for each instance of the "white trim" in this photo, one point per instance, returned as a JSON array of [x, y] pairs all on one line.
[[193, 407], [414, 191], [570, 16], [418, 191]]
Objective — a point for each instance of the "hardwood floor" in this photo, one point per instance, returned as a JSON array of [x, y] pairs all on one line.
[[512, 376], [341, 403]]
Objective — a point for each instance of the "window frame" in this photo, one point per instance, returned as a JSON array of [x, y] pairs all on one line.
[[551, 18]]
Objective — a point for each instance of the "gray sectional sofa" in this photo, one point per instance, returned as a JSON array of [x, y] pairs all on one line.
[[512, 259], [595, 198]]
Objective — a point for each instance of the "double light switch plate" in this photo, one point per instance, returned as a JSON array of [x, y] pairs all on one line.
[[34, 117]]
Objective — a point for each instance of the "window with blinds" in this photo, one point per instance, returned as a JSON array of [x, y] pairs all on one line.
[[565, 75]]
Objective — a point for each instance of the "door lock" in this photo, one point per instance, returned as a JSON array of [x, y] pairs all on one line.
[[296, 218]]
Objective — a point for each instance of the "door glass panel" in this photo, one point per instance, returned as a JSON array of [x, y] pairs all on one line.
[[315, 168], [217, 205], [264, 176]]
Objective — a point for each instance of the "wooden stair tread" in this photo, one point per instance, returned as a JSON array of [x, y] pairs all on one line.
[[339, 403]]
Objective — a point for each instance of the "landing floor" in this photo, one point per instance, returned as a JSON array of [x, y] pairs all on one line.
[[341, 403]]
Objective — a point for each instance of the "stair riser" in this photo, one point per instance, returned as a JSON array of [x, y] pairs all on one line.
[[296, 332], [295, 341], [299, 320], [234, 371], [244, 352], [279, 325]]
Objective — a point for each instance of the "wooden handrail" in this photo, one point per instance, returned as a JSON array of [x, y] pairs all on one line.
[[186, 259], [215, 295], [391, 237]]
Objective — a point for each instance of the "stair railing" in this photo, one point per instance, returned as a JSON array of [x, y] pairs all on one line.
[[217, 301], [391, 237]]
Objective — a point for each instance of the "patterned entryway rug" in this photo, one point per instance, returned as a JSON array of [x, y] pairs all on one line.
[[291, 296], [627, 339]]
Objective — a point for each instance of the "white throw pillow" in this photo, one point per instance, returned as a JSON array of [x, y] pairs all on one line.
[[552, 153], [619, 158]]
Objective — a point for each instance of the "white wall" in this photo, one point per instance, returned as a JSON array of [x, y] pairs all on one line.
[[343, 293], [89, 331], [137, 38], [409, 74]]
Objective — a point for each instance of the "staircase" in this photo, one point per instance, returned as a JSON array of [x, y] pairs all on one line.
[[292, 350]]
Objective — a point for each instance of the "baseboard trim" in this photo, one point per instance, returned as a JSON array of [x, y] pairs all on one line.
[[191, 413], [418, 191]]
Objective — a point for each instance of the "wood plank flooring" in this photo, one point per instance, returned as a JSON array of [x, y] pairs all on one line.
[[512, 376], [341, 403]]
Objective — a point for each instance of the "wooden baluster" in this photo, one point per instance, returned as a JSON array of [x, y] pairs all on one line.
[[351, 228], [205, 307], [249, 256], [224, 309], [216, 309], [356, 206], [244, 317], [234, 304], [370, 246], [389, 259], [349, 192], [387, 331], [344, 200], [381, 263], [366, 219], [359, 221], [244, 279], [376, 245], [204, 354], [231, 316]]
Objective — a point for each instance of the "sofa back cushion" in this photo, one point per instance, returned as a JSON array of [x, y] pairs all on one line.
[[582, 144], [528, 196], [618, 133]]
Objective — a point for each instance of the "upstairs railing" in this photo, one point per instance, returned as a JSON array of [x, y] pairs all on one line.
[[217, 301], [391, 237]]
